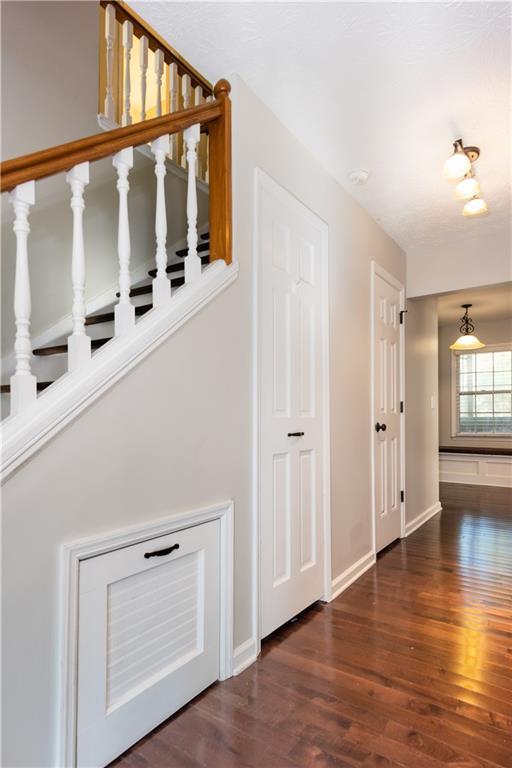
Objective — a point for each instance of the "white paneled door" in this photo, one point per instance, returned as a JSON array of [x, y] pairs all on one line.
[[386, 427], [292, 257]]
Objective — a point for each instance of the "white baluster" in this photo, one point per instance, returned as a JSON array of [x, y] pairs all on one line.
[[192, 261], [110, 31], [127, 46], [174, 102], [79, 344], [23, 383], [159, 71], [124, 311], [186, 88], [143, 64], [161, 285]]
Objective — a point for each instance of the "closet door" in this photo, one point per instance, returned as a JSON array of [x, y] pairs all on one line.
[[148, 637]]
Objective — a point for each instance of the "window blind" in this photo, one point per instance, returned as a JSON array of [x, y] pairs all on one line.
[[483, 394]]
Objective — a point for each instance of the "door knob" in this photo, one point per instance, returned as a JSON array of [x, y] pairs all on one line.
[[378, 427], [295, 434]]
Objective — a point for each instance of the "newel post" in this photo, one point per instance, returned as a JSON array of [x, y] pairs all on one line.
[[220, 177]]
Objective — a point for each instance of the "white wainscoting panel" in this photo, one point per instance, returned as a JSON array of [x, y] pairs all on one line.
[[475, 469]]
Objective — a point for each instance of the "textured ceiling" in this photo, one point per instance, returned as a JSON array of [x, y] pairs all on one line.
[[490, 303], [384, 87]]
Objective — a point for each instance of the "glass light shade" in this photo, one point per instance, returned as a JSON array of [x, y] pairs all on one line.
[[475, 207], [467, 188], [457, 166], [467, 341]]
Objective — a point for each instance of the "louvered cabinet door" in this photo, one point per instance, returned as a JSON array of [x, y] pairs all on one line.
[[148, 637]]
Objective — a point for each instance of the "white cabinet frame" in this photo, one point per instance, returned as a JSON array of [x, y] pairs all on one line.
[[74, 552]]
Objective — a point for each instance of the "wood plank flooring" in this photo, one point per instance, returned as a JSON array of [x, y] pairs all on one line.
[[411, 666]]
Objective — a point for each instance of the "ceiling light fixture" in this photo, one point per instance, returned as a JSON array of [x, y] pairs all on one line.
[[458, 168], [467, 188], [467, 340], [459, 163], [475, 207]]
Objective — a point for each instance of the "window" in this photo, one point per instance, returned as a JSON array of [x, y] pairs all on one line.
[[483, 391]]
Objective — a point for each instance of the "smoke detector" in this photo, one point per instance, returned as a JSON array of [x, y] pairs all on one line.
[[358, 177]]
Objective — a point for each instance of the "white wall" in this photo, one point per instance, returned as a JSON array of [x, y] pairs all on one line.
[[491, 332], [176, 433], [445, 269], [421, 408]]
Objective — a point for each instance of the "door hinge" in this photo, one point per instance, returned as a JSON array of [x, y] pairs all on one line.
[[401, 406], [402, 313], [402, 496]]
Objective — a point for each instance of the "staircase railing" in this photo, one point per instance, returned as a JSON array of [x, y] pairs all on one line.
[[141, 76], [18, 177]]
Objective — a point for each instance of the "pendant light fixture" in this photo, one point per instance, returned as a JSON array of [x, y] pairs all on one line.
[[467, 340], [459, 168]]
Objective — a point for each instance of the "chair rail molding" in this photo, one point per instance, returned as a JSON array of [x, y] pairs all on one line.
[[71, 555]]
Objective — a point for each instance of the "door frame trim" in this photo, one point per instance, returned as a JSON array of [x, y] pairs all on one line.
[[71, 555], [378, 270], [262, 180]]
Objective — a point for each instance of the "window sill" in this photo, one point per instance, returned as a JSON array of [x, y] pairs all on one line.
[[477, 436]]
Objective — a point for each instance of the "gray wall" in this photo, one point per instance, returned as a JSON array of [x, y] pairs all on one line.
[[49, 73], [421, 407], [491, 332], [175, 433]]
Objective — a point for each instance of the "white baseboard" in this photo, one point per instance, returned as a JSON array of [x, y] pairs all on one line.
[[422, 518], [351, 574], [475, 469], [244, 655]]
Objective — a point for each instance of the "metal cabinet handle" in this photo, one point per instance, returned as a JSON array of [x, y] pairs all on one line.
[[378, 427], [295, 434], [161, 552]]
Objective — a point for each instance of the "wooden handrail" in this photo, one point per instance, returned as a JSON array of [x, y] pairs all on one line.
[[48, 162], [216, 115], [156, 42]]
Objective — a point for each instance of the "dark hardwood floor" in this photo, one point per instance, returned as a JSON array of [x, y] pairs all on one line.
[[411, 666]]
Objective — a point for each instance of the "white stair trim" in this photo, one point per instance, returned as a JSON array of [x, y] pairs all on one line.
[[26, 432]]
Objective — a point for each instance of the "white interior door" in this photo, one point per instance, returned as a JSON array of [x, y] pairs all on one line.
[[292, 258], [148, 637], [387, 297]]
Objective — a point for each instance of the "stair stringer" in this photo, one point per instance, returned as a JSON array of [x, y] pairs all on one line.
[[26, 432]]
